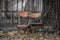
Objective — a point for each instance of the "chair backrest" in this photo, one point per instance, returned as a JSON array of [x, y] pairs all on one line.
[[23, 14], [30, 14], [35, 15]]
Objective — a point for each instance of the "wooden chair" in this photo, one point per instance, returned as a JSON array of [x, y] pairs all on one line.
[[35, 15], [23, 14]]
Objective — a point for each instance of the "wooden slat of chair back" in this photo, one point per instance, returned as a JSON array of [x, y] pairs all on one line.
[[35, 15], [23, 14], [32, 15]]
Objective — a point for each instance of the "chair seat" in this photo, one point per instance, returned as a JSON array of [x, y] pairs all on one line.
[[22, 25], [37, 24]]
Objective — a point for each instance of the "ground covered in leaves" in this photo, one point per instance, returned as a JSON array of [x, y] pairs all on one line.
[[14, 35]]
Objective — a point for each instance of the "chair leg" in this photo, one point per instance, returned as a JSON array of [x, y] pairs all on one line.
[[18, 29]]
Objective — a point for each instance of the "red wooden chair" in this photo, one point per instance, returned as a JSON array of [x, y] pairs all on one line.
[[23, 14]]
